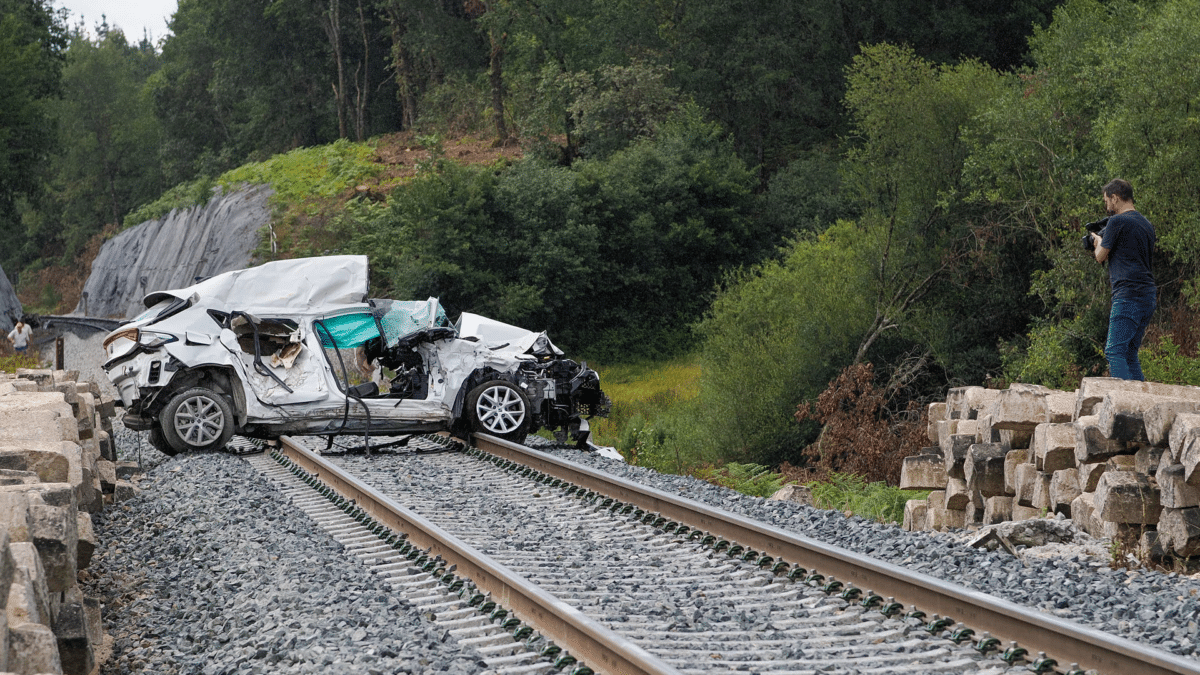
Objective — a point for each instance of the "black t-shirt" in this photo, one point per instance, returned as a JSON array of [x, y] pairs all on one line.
[[1129, 237]]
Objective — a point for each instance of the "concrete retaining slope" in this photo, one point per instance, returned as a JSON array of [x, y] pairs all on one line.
[[1120, 458], [10, 306], [173, 251], [57, 466]]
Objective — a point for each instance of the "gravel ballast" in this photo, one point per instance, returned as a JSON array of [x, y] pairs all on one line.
[[206, 553], [208, 570], [1150, 607]]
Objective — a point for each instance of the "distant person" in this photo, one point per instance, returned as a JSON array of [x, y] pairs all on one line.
[[20, 335], [1127, 244]]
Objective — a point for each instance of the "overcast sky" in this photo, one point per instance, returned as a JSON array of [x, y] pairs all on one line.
[[131, 16]]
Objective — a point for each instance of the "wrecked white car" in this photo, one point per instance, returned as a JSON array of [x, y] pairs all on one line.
[[295, 347]]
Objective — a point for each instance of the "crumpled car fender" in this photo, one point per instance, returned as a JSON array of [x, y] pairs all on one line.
[[453, 362]]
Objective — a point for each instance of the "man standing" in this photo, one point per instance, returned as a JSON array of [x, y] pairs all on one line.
[[20, 335], [1127, 246]]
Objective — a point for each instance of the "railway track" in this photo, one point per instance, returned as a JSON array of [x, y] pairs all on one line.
[[542, 565]]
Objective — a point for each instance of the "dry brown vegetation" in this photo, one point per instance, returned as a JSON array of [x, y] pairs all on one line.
[[861, 434]]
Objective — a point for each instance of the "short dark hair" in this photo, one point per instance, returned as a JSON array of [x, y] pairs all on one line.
[[1119, 187]]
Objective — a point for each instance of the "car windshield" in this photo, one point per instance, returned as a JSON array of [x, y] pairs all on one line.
[[393, 319], [399, 318]]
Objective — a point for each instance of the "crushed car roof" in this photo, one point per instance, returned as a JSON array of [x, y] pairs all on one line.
[[300, 285]]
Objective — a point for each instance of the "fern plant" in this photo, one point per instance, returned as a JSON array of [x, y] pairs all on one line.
[[876, 501], [755, 480]]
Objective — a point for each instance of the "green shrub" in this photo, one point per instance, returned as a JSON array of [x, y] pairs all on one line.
[[775, 337], [876, 501], [10, 363], [460, 105], [806, 195], [1058, 353], [305, 174], [1162, 362], [616, 258]]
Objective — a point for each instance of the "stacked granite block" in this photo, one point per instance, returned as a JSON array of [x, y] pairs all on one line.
[[1118, 457], [57, 467]]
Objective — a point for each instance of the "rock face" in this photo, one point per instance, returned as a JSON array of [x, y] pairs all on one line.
[[172, 252], [10, 306]]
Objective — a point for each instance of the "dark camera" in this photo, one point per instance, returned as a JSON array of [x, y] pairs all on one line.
[[1094, 227]]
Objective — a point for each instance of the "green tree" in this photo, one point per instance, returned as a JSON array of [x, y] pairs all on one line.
[[616, 105], [1149, 129], [248, 80], [615, 256], [33, 40], [1036, 164], [772, 72], [674, 214], [109, 135], [905, 169], [806, 195]]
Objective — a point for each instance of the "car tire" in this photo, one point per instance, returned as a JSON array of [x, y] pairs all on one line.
[[159, 442], [501, 409], [197, 420]]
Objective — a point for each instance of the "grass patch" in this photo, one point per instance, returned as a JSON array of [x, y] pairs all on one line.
[[876, 501], [303, 179], [305, 174], [640, 393], [651, 402], [10, 362]]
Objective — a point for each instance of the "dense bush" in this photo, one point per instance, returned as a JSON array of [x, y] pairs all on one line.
[[615, 256], [1164, 361], [776, 336]]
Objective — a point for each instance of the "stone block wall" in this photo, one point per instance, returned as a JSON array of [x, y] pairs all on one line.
[[57, 467], [1120, 458]]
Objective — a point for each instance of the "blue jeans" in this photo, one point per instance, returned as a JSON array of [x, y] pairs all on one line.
[[1126, 326]]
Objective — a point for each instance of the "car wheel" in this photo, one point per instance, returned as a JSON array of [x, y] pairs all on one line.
[[499, 408], [197, 419], [159, 443]]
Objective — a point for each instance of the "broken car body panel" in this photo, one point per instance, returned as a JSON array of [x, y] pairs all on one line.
[[296, 347]]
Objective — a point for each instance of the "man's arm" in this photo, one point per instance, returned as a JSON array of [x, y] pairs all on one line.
[[1101, 252]]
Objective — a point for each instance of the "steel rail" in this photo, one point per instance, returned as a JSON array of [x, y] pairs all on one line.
[[1065, 641], [587, 640]]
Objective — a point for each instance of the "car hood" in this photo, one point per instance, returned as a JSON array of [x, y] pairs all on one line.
[[499, 336]]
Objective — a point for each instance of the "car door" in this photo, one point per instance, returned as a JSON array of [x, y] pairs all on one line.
[[278, 364], [351, 346]]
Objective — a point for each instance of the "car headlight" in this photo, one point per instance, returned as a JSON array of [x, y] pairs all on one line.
[[121, 342], [150, 339]]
